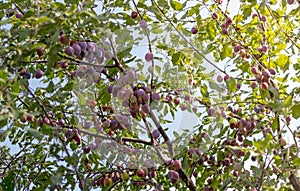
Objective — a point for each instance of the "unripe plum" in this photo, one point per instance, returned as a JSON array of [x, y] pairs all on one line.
[[107, 181], [125, 176]]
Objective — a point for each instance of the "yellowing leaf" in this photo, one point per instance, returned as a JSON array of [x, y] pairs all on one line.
[[282, 60], [176, 5]]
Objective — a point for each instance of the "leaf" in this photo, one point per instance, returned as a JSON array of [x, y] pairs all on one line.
[[296, 111], [176, 5], [296, 161], [8, 182], [256, 171], [288, 101], [282, 60]]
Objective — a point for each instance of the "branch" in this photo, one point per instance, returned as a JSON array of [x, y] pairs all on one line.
[[163, 133], [60, 138], [294, 181], [189, 183]]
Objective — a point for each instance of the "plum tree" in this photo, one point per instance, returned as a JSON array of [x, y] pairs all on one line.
[[149, 95]]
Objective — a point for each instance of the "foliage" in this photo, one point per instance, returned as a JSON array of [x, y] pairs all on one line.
[[90, 91]]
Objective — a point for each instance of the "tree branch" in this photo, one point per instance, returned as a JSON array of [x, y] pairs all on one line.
[[294, 181]]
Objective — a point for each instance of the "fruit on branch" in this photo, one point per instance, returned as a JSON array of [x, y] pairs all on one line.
[[176, 100], [237, 48], [63, 39], [290, 1], [194, 30], [39, 74], [125, 176], [265, 85], [82, 45], [219, 1], [86, 149], [155, 134], [226, 77], [77, 49], [24, 119], [211, 111], [225, 31], [143, 24], [27, 75], [63, 64], [238, 86], [146, 108], [266, 73], [149, 57], [219, 78], [177, 164], [77, 137], [253, 85], [263, 18], [40, 51], [107, 181], [183, 107], [215, 16], [254, 70], [152, 174], [19, 15], [140, 172], [174, 176], [134, 14], [69, 51], [272, 71], [155, 96], [30, 118]]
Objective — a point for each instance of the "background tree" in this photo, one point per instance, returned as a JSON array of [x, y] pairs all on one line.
[[88, 89]]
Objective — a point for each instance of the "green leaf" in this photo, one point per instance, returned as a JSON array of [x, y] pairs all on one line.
[[288, 101], [296, 111], [8, 182], [176, 5], [296, 161]]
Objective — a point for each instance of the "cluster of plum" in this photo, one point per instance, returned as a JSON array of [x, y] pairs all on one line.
[[107, 179], [136, 98], [263, 77]]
